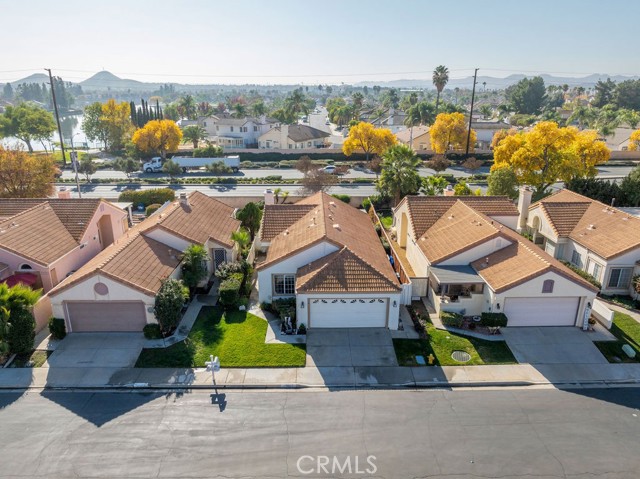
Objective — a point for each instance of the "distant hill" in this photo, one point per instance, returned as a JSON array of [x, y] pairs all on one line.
[[494, 83], [35, 78], [105, 80]]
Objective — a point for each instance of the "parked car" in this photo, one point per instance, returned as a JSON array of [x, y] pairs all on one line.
[[327, 122], [331, 169]]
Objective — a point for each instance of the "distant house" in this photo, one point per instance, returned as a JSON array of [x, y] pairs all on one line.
[[596, 238], [293, 137], [485, 130], [116, 290], [42, 241], [419, 138], [229, 132], [619, 140], [391, 118]]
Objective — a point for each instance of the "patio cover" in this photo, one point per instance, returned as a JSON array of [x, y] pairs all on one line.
[[455, 274]]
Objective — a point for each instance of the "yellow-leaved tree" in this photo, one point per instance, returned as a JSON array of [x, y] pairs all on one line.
[[500, 135], [449, 131], [634, 141], [24, 175], [116, 118], [367, 139], [158, 136], [548, 153]]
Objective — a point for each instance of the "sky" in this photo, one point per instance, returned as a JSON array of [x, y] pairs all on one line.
[[311, 42]]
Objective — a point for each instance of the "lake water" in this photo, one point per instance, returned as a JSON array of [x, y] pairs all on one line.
[[71, 128]]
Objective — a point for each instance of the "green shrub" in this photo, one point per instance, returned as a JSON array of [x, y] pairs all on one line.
[[494, 320], [366, 204], [225, 270], [272, 178], [451, 319], [583, 274], [386, 246], [229, 291], [57, 328], [22, 331], [152, 331], [285, 307], [218, 168], [151, 209], [148, 197], [169, 302], [344, 198]]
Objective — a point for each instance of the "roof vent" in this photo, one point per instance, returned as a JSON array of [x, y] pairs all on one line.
[[336, 226], [184, 201], [450, 217], [591, 227], [286, 232], [332, 203], [486, 260]]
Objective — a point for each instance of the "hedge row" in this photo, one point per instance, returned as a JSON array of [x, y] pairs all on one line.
[[147, 197], [494, 320]]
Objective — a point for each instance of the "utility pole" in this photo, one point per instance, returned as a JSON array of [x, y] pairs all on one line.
[[55, 107], [473, 97]]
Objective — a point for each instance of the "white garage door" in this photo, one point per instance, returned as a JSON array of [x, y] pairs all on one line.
[[541, 311], [348, 313], [106, 316]]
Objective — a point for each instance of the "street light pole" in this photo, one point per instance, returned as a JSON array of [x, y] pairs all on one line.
[[473, 97], [55, 108], [74, 162]]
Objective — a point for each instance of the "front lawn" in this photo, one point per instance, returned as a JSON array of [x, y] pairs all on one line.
[[627, 330], [442, 343], [236, 337], [35, 359]]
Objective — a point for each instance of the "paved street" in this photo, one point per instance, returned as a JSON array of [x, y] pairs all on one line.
[[543, 433]]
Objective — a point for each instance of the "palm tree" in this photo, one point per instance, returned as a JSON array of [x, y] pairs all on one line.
[[399, 173], [242, 239], [239, 110], [440, 79], [358, 103], [297, 103], [258, 109], [413, 119], [188, 106], [194, 134]]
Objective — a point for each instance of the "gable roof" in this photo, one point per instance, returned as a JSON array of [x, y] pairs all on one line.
[[424, 211], [36, 234], [607, 231], [134, 259], [405, 135], [277, 218], [298, 133], [202, 219], [459, 229], [342, 225], [75, 214], [342, 271], [519, 262]]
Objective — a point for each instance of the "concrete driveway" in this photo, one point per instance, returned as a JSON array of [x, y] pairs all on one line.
[[552, 345], [97, 350], [350, 347]]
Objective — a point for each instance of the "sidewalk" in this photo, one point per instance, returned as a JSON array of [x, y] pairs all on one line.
[[574, 375]]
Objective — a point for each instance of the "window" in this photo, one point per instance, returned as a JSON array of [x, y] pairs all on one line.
[[576, 259], [217, 128], [231, 128], [308, 143], [25, 267], [619, 278], [255, 128], [547, 286], [284, 284], [596, 271]]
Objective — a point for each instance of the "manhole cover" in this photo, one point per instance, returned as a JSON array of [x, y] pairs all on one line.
[[461, 356]]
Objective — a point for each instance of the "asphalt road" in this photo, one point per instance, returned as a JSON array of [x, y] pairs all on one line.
[[542, 433]]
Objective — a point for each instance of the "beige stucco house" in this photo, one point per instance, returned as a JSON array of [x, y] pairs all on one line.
[[293, 137], [116, 290]]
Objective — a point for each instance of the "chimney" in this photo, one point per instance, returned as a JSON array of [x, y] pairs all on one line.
[[268, 197], [184, 201], [613, 202], [64, 194], [448, 191], [524, 201]]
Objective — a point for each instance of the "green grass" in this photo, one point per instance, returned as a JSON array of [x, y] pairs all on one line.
[[387, 221], [442, 343], [627, 330], [35, 359], [236, 337]]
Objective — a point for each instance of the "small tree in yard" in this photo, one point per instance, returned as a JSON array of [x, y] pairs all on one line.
[[242, 238], [438, 163], [17, 326], [250, 216], [318, 180], [461, 189], [22, 331], [87, 168], [171, 168], [472, 164], [194, 265], [169, 302], [304, 164]]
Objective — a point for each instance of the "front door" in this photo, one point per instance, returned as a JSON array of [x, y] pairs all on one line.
[[219, 257]]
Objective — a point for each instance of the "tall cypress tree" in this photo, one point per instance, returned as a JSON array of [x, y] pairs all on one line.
[[134, 114]]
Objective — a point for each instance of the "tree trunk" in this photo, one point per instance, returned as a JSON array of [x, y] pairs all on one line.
[[437, 102], [28, 142]]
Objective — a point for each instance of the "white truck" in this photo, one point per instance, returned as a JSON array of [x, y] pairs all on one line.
[[187, 163]]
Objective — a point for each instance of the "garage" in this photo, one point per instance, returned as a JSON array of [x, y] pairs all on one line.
[[541, 311], [348, 312], [105, 316]]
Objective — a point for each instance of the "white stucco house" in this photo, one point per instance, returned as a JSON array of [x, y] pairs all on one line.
[[327, 255], [463, 255], [596, 238], [44, 240], [229, 132], [116, 290]]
